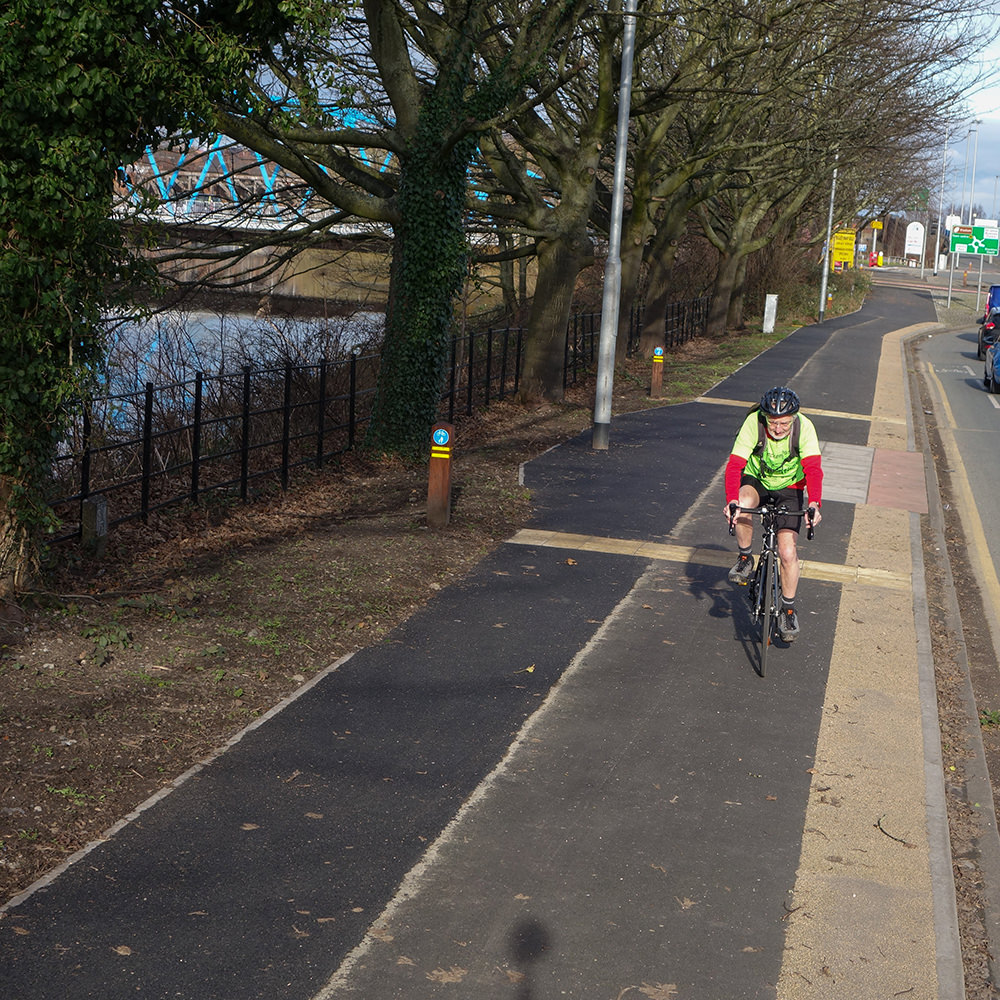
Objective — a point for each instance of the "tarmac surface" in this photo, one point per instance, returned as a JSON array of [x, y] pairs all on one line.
[[563, 777]]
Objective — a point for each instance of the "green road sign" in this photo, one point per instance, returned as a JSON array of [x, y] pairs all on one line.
[[976, 239]]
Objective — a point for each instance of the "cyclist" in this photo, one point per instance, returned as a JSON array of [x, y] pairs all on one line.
[[773, 459]]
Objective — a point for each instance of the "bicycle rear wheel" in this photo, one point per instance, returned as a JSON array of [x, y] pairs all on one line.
[[766, 606]]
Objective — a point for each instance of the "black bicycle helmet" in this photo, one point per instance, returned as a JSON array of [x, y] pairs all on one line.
[[779, 402]]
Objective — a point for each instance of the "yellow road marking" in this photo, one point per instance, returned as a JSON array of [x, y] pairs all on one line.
[[664, 552], [808, 411]]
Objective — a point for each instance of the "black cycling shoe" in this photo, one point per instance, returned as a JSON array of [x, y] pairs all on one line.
[[742, 571], [788, 624]]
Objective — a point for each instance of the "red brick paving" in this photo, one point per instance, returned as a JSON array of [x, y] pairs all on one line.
[[897, 480]]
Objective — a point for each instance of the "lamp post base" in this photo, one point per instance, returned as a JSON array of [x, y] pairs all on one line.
[[602, 434]]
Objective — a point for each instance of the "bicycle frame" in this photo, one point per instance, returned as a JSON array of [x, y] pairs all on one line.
[[764, 591]]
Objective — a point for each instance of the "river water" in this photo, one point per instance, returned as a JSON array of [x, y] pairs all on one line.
[[173, 345]]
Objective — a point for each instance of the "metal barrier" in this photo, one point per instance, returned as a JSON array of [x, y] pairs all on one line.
[[223, 433]]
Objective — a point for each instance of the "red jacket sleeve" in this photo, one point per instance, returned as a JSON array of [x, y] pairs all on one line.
[[734, 472], [813, 470]]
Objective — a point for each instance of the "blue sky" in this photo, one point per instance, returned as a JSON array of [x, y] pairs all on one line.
[[982, 148]]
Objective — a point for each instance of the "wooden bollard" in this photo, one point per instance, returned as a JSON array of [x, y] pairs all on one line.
[[439, 476], [656, 385]]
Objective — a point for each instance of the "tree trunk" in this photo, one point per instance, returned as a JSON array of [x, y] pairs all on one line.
[[722, 293], [428, 267], [635, 234], [427, 272], [661, 263], [17, 562], [506, 274], [734, 318], [559, 262]]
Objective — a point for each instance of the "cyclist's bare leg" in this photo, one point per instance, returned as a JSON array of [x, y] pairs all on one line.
[[744, 522], [789, 556]]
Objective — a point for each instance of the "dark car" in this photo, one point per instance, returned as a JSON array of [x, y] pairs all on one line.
[[989, 329], [991, 374]]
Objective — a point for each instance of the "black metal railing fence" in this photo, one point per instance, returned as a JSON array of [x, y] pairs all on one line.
[[224, 433]]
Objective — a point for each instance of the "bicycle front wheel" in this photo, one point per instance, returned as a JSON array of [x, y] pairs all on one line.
[[767, 576]]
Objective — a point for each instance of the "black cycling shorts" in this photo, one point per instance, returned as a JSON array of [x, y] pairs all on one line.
[[791, 496]]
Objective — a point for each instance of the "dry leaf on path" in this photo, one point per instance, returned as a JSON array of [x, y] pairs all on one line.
[[453, 975], [659, 991]]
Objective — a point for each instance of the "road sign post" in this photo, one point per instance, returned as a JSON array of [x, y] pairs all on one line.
[[978, 240]]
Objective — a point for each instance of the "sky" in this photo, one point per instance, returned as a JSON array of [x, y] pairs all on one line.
[[982, 148]]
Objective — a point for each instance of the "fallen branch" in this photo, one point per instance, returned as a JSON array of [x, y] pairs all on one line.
[[878, 824]]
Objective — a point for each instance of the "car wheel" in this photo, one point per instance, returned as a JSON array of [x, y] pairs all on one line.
[[993, 386], [980, 353]]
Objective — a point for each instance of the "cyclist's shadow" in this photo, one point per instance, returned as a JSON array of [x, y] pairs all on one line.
[[729, 601]]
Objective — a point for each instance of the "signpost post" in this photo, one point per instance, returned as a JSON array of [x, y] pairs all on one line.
[[439, 476], [979, 240], [656, 383]]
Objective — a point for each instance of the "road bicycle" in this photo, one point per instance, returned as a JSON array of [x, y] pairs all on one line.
[[764, 587]]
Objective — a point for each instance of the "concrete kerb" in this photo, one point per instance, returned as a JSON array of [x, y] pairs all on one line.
[[874, 897], [978, 784]]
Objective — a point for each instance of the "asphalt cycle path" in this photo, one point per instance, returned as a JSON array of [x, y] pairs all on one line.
[[563, 777]]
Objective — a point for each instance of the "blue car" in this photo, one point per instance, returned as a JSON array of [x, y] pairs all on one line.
[[991, 376]]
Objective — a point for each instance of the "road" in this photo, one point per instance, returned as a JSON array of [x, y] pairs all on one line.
[[969, 421]]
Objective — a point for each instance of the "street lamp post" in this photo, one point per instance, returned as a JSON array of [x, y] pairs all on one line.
[[972, 202], [829, 241], [611, 301], [965, 176], [944, 166], [975, 154], [965, 173]]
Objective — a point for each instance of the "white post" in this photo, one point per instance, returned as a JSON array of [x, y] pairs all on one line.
[[770, 312]]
